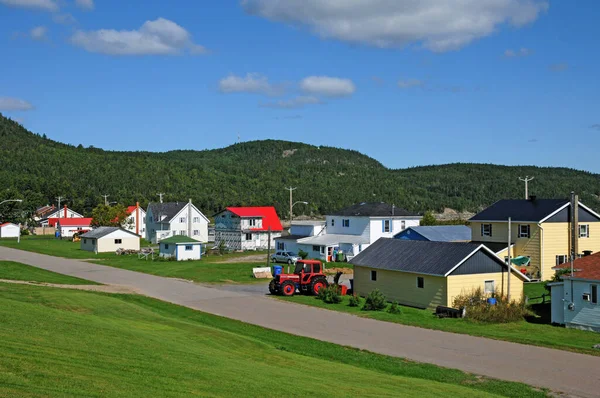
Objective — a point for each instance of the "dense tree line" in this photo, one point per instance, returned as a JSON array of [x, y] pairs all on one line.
[[256, 173]]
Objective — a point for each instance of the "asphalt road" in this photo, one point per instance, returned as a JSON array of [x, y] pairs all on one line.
[[571, 373]]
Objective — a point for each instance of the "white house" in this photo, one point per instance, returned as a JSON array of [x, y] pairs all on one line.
[[299, 230], [180, 247], [9, 230], [65, 212], [175, 218], [109, 239], [136, 221], [575, 299], [66, 227], [247, 228], [353, 229]]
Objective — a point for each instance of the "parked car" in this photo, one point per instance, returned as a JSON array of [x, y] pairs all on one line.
[[285, 257]]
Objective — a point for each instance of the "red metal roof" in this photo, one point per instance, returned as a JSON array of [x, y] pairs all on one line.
[[587, 267], [267, 213], [7, 223], [70, 222], [131, 209]]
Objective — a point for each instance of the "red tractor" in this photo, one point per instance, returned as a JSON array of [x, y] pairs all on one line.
[[308, 278]]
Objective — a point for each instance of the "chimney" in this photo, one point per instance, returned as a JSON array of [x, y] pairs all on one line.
[[65, 214], [532, 198], [137, 218], [190, 218]]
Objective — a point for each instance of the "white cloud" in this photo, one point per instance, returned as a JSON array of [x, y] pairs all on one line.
[[254, 83], [64, 19], [294, 103], [408, 83], [38, 33], [327, 86], [437, 25], [46, 5], [158, 37], [85, 4], [523, 52], [14, 104]]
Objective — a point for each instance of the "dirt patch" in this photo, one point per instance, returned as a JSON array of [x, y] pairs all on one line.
[[335, 270], [252, 258], [92, 288]]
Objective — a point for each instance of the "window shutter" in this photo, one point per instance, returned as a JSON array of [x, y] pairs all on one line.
[[382, 225], [491, 230]]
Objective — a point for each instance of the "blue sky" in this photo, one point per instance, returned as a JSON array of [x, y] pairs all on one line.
[[407, 82]]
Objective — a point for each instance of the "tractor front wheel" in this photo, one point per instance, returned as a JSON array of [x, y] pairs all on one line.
[[318, 284], [272, 287], [288, 288]]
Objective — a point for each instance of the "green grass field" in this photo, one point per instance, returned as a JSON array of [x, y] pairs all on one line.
[[57, 342], [535, 331], [211, 269], [22, 272]]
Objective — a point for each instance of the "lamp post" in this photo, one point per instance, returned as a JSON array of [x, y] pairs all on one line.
[[11, 200], [292, 206]]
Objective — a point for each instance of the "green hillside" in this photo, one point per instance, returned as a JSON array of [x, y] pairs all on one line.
[[256, 173]]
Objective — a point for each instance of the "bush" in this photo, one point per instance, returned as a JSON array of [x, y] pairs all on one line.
[[394, 308], [354, 301], [302, 254], [375, 301], [330, 294], [479, 310]]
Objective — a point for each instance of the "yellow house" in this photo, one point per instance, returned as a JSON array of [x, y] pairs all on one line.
[[540, 230], [426, 274]]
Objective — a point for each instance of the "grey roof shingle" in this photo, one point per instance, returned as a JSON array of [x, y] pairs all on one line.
[[443, 233], [421, 257], [374, 209], [520, 210], [168, 209], [102, 231]]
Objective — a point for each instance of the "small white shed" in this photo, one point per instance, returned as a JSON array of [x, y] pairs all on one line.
[[181, 248], [9, 230], [109, 239]]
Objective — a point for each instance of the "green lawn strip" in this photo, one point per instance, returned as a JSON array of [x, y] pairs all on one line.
[[540, 334], [61, 342], [22, 272]]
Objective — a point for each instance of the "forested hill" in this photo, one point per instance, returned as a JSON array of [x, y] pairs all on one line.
[[256, 173]]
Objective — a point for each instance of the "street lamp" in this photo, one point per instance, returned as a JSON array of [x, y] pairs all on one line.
[[11, 200], [292, 206]]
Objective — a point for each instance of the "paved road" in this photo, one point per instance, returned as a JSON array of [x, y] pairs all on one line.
[[575, 374]]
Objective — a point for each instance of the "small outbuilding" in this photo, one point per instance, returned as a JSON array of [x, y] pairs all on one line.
[[9, 230], [109, 239], [426, 274], [181, 248]]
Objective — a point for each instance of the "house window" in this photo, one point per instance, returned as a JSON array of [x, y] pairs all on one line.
[[85, 241], [524, 231], [561, 259], [584, 231], [182, 232], [386, 226], [196, 219], [166, 246], [594, 291], [252, 222], [189, 248], [118, 241], [248, 236], [420, 282], [181, 219], [317, 249], [403, 225], [196, 232], [322, 249], [489, 287], [333, 222], [486, 229], [346, 223], [280, 246], [374, 276]]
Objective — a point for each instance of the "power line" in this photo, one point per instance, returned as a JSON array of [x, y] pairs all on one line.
[[526, 181], [160, 195], [105, 199]]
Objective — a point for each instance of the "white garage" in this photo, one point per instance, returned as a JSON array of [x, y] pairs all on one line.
[[181, 248], [109, 239], [9, 230]]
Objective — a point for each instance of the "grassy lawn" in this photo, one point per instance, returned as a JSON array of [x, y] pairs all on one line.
[[58, 342], [211, 269], [22, 272], [535, 331]]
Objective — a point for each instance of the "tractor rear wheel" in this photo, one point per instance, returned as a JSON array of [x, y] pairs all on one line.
[[317, 284], [288, 288], [272, 287]]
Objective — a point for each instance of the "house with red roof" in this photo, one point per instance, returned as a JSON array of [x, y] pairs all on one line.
[[136, 220], [55, 213], [69, 226], [247, 228], [575, 298]]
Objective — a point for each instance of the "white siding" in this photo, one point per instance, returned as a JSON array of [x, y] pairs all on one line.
[[585, 315], [176, 225], [358, 226], [132, 221], [183, 254], [377, 231], [558, 307], [107, 244]]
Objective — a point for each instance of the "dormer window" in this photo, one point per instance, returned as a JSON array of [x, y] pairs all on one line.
[[252, 222], [486, 229], [524, 231]]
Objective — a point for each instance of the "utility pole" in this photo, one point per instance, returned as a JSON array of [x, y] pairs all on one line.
[[509, 264], [291, 202], [105, 199], [160, 195], [526, 181], [59, 199]]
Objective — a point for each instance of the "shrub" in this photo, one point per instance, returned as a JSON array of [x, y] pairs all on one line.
[[302, 254], [375, 301], [354, 301], [330, 294], [479, 310], [394, 308]]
